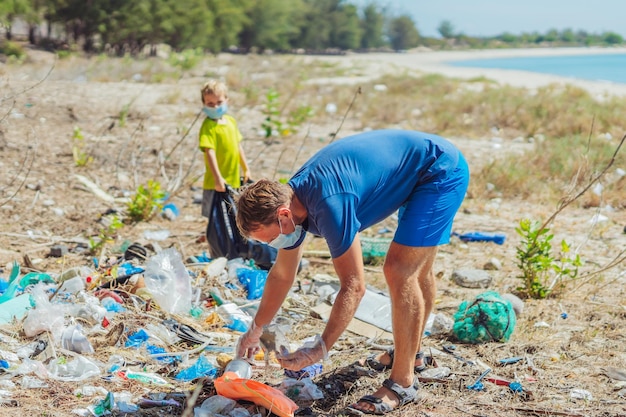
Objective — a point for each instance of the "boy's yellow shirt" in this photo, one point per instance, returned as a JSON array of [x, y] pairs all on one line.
[[224, 137]]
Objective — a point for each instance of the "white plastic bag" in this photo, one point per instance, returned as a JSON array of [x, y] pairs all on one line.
[[168, 282], [45, 316]]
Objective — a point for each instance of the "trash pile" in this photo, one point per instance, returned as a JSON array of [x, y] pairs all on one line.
[[148, 331], [136, 318]]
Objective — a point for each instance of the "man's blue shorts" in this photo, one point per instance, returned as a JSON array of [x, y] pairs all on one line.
[[426, 218]]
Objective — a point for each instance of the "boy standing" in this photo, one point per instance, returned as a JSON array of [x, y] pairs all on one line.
[[225, 161], [220, 140]]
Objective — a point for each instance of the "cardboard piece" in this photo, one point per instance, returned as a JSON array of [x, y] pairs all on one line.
[[356, 325]]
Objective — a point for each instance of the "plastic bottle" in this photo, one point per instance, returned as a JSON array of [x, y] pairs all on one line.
[[79, 271], [241, 367], [73, 285]]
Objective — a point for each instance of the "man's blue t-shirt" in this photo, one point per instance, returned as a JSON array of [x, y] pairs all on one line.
[[357, 181]]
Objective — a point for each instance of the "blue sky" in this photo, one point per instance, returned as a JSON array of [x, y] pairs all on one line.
[[493, 17]]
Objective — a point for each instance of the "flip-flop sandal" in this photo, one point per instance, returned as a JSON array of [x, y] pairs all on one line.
[[376, 365], [405, 396]]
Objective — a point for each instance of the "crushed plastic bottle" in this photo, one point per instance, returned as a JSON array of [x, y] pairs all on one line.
[[241, 367]]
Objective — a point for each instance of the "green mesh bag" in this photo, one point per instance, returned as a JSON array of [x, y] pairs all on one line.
[[488, 318]]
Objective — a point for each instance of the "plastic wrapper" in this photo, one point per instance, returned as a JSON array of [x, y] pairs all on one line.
[[168, 282], [79, 369]]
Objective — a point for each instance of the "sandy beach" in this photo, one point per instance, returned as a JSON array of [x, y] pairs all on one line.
[[438, 62]]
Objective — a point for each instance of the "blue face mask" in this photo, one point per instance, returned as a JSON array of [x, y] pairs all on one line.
[[215, 112], [286, 241]]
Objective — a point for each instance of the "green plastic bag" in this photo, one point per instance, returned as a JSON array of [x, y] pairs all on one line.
[[489, 318]]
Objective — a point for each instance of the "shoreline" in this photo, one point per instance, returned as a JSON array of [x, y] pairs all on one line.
[[437, 62]]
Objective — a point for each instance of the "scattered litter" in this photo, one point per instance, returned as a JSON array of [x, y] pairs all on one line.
[[478, 385], [508, 361], [581, 394]]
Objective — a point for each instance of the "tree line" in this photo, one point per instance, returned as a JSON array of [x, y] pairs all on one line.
[[281, 25], [123, 26]]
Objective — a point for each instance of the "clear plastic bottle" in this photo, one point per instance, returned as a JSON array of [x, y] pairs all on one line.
[[241, 367], [73, 285]]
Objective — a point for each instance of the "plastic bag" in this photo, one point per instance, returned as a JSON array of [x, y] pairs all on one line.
[[222, 234], [215, 404], [202, 367], [45, 316], [231, 386], [72, 338], [224, 238], [168, 281], [253, 280]]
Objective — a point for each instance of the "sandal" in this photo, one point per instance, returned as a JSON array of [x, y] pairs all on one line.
[[405, 396], [376, 365]]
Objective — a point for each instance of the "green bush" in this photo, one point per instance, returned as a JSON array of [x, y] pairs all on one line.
[[13, 49]]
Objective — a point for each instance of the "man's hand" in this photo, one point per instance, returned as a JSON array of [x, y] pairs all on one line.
[[310, 353], [248, 343]]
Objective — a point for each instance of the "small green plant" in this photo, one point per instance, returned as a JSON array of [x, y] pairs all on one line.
[[187, 59], [12, 49], [106, 233], [81, 157], [272, 123], [63, 54], [123, 115], [298, 117], [275, 124], [146, 201], [543, 274]]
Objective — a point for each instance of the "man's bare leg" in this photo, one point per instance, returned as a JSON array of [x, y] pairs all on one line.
[[412, 289]]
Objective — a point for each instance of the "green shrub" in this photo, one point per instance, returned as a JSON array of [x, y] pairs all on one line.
[[12, 49], [544, 274], [146, 201]]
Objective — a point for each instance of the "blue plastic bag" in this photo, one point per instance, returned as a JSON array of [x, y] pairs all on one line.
[[201, 368], [253, 280]]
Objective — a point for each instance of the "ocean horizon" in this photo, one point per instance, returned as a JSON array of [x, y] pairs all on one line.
[[593, 67]]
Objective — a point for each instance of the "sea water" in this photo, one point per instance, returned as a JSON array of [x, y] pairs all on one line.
[[593, 67]]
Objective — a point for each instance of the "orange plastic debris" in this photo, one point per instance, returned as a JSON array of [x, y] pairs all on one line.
[[231, 386]]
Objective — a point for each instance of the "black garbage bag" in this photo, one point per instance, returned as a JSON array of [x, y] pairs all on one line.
[[224, 238]]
